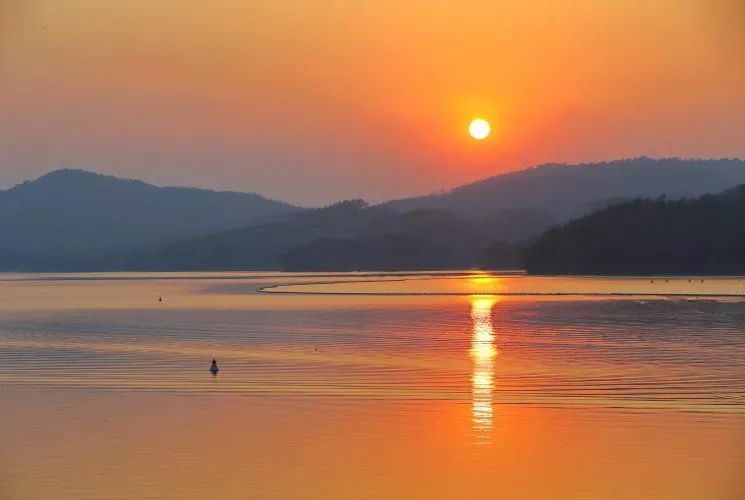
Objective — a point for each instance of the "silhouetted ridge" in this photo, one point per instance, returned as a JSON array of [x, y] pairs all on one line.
[[567, 191], [74, 219], [78, 220], [705, 235], [349, 235]]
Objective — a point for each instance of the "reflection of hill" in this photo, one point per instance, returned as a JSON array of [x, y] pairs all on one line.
[[705, 235]]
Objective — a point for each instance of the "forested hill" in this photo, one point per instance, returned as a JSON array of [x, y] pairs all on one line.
[[73, 219], [569, 191], [705, 235], [350, 236]]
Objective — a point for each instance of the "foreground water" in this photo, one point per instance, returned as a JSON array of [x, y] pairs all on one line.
[[371, 386]]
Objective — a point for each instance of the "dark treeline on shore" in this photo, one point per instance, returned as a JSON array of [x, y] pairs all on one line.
[[705, 235]]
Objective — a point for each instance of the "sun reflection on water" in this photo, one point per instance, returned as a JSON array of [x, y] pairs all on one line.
[[483, 351]]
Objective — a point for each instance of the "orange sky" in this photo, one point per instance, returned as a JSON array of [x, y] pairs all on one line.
[[312, 101]]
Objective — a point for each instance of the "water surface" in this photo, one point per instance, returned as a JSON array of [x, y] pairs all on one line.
[[453, 385]]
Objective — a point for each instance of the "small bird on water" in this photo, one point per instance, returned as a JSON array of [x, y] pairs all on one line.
[[214, 368]]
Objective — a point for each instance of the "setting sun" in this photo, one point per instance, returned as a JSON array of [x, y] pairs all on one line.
[[479, 129]]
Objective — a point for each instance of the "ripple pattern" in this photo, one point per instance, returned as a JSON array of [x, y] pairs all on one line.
[[674, 354]]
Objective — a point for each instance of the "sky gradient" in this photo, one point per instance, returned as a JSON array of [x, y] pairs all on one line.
[[314, 101]]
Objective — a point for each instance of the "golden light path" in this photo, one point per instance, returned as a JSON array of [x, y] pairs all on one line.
[[483, 351]]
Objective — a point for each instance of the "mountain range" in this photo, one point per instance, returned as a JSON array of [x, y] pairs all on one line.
[[77, 220]]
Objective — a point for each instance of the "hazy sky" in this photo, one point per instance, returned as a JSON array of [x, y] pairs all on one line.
[[312, 101]]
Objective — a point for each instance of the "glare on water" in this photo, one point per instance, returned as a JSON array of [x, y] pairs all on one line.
[[483, 350], [394, 392]]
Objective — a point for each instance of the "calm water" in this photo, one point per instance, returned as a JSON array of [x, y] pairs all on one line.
[[371, 386]]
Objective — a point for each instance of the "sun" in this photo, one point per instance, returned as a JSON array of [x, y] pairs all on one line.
[[479, 129]]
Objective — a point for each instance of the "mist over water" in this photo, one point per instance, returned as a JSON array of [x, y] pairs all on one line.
[[404, 396]]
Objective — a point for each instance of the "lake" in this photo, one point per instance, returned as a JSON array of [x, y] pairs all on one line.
[[371, 385]]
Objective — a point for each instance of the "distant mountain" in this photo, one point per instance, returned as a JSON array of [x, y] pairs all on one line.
[[705, 235], [259, 246], [568, 191], [75, 220], [352, 236], [423, 239], [71, 219]]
